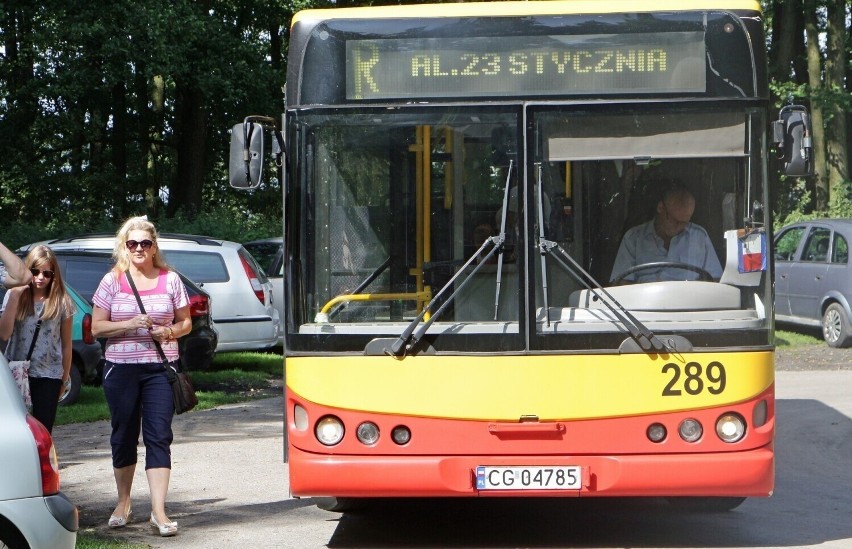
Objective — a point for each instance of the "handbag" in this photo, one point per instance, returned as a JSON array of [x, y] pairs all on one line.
[[183, 393], [21, 371]]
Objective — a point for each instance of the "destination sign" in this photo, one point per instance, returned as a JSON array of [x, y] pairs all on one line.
[[525, 66]]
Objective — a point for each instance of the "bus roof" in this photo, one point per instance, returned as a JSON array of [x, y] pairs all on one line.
[[549, 7]]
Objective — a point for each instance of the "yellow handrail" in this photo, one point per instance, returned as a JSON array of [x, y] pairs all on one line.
[[421, 297]]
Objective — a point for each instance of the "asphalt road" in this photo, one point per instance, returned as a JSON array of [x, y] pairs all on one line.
[[229, 488]]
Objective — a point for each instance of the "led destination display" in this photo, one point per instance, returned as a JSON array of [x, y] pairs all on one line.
[[525, 65]]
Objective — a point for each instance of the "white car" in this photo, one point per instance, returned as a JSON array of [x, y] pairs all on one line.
[[33, 512], [240, 292]]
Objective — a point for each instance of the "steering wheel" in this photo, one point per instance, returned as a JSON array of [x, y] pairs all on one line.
[[702, 274]]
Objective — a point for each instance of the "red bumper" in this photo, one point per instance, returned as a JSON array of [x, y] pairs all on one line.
[[736, 474]]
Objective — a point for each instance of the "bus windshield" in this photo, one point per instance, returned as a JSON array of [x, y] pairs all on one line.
[[397, 209]]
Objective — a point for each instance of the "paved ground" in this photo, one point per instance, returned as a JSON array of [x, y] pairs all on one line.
[[227, 469], [229, 483]]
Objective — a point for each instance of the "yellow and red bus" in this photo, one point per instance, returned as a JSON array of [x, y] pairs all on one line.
[[457, 182]]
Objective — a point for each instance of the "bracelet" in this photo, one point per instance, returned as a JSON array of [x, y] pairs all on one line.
[[171, 333]]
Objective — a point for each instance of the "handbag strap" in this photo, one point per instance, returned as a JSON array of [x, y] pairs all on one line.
[[32, 343], [142, 310]]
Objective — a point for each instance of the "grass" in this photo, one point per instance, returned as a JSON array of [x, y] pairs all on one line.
[[233, 377], [784, 338], [87, 539]]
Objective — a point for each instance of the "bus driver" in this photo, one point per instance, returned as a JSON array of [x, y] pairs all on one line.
[[669, 237]]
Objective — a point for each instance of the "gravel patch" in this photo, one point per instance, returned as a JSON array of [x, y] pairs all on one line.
[[813, 357]]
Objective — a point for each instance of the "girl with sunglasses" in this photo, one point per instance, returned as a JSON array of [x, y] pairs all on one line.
[[135, 384], [41, 311]]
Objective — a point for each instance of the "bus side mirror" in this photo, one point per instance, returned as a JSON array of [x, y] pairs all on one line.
[[793, 139], [245, 166]]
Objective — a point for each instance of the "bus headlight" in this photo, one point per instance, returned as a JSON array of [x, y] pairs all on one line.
[[329, 430], [656, 432], [690, 430], [401, 434], [730, 427], [367, 433]]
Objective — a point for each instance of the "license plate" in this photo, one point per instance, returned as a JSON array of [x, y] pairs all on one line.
[[533, 477]]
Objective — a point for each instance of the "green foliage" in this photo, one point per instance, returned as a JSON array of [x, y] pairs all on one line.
[[799, 208], [83, 140], [228, 221]]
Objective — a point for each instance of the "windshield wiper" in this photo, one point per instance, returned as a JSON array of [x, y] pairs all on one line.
[[503, 218], [638, 331], [414, 331]]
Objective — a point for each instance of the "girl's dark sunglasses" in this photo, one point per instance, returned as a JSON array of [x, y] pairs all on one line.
[[146, 244], [47, 272]]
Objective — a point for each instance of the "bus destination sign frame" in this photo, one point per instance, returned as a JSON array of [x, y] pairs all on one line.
[[526, 66]]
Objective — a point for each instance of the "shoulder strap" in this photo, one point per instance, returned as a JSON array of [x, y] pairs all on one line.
[[142, 310], [32, 343]]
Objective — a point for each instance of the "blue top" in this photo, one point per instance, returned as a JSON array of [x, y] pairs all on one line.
[[641, 244]]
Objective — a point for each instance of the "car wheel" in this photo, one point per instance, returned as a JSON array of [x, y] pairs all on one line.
[[835, 326], [76, 383], [10, 536]]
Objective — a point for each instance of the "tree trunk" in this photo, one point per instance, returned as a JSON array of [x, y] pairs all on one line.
[[153, 168], [190, 121], [835, 68], [815, 80], [784, 37], [119, 134]]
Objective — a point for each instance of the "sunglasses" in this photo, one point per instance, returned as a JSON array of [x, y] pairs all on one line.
[[132, 244], [47, 272]]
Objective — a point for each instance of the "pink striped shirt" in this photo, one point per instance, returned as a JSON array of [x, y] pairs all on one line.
[[116, 296]]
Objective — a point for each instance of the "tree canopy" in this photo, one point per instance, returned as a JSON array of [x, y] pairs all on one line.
[[109, 109]]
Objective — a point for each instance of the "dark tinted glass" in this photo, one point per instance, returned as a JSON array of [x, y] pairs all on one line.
[[787, 243], [200, 267], [84, 274], [264, 253]]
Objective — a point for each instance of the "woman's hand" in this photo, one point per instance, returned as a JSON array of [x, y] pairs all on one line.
[[141, 321], [161, 333]]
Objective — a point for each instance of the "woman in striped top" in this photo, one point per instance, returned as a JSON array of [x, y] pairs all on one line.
[[134, 380]]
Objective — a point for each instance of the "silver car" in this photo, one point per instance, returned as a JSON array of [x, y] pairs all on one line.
[[33, 512], [813, 278], [240, 293]]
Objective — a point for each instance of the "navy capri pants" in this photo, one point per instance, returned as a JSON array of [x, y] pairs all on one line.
[[139, 395]]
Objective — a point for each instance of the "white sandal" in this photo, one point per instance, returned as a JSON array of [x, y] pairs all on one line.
[[166, 529], [117, 521]]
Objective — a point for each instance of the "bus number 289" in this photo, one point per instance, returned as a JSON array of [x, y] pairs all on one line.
[[694, 379]]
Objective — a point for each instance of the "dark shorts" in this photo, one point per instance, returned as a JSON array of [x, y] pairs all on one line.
[[130, 389]]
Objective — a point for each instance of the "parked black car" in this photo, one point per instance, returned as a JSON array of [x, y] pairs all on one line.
[[84, 270]]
